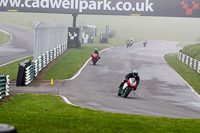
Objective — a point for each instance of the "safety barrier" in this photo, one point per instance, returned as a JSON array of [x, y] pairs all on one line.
[[24, 72], [46, 58], [194, 63], [50, 42], [4, 82], [29, 74], [86, 38], [29, 70]]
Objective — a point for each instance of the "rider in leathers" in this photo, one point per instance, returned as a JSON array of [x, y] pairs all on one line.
[[96, 52], [135, 75]]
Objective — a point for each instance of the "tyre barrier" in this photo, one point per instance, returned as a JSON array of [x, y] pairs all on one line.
[[87, 38], [111, 34], [21, 76], [4, 82], [104, 38], [193, 63], [46, 58], [29, 70], [29, 74]]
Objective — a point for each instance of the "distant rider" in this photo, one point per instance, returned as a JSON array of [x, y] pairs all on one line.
[[96, 52], [131, 41], [127, 43], [145, 42], [133, 74]]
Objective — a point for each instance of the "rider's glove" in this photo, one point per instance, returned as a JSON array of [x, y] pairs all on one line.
[[126, 80]]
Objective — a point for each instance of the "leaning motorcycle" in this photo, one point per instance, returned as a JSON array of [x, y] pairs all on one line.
[[144, 43], [94, 58], [127, 45], [127, 88]]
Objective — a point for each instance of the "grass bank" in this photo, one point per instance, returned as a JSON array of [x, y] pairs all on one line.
[[4, 38], [49, 114], [158, 28], [192, 51], [64, 68], [187, 73], [12, 68], [71, 62]]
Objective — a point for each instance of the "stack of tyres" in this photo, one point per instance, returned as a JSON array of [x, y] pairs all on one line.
[[21, 72], [4, 82], [104, 38]]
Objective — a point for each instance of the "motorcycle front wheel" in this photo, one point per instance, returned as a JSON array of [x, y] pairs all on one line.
[[120, 92]]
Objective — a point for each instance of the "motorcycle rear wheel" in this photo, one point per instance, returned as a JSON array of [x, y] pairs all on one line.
[[94, 62], [127, 91]]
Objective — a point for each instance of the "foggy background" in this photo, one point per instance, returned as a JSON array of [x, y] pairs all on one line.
[[184, 30]]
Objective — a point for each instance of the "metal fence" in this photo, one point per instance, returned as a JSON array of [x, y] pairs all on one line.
[[49, 36], [194, 63], [50, 42]]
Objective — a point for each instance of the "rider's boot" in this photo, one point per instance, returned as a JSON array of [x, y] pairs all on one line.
[[121, 85]]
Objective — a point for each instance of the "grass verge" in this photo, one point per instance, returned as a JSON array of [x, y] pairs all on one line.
[[186, 72], [12, 68], [70, 62], [64, 68], [126, 26], [192, 51], [31, 113], [4, 38]]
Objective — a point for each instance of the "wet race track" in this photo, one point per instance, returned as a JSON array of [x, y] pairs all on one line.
[[21, 44], [161, 91]]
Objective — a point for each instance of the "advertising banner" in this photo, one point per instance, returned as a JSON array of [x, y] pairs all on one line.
[[168, 8]]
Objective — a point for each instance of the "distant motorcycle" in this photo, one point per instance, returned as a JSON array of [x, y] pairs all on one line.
[[127, 45], [95, 58], [131, 44], [127, 88], [145, 43]]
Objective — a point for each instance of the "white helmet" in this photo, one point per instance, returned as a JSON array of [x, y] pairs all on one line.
[[135, 72]]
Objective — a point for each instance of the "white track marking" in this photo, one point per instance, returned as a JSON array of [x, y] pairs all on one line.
[[14, 61], [64, 98], [85, 65]]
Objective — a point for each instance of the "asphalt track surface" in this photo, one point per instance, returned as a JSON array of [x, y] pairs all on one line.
[[161, 92], [21, 44]]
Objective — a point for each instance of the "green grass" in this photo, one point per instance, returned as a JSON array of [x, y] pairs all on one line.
[[64, 68], [157, 28], [12, 68], [4, 38], [192, 51], [32, 113], [186, 72], [48, 113], [71, 62]]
